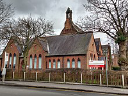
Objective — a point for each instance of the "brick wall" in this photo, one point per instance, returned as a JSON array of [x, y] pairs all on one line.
[[63, 61], [91, 53], [11, 48], [100, 50], [36, 49]]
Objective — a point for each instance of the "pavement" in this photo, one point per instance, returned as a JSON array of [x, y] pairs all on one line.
[[67, 86]]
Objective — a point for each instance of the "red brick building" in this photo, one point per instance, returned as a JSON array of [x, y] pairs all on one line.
[[73, 48], [99, 49], [103, 51]]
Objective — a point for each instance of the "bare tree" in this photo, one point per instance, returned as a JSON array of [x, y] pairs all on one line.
[[24, 30], [110, 17], [6, 12]]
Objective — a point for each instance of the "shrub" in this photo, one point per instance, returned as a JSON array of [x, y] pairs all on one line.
[[116, 68]]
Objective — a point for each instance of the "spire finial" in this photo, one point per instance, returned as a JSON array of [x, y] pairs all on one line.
[[69, 14], [68, 10]]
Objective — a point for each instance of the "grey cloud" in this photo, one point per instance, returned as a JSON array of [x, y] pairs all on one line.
[[39, 7], [52, 10]]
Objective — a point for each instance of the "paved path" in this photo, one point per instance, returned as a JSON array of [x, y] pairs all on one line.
[[78, 87]]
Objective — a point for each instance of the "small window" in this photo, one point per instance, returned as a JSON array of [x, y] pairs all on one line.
[[10, 60], [30, 64], [49, 63], [79, 63], [14, 61], [73, 63], [112, 56], [91, 56], [94, 57], [68, 63], [35, 61], [54, 64], [40, 61], [58, 63]]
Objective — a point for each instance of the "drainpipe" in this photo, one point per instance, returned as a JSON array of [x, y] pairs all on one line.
[[63, 61]]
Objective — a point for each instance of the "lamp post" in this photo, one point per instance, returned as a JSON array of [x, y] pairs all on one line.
[[106, 54]]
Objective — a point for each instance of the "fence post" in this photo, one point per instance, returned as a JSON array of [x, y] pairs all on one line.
[[100, 80], [64, 77], [24, 76], [49, 76], [81, 78], [123, 80], [13, 75], [36, 75]]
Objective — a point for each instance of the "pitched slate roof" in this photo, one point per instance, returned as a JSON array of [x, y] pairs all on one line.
[[67, 44], [78, 30], [43, 42]]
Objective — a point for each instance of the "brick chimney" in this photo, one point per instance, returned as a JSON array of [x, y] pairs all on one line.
[[68, 22], [68, 28]]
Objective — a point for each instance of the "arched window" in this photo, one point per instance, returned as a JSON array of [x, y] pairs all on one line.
[[49, 63], [54, 64], [58, 65], [30, 64], [73, 63], [79, 63], [10, 60], [6, 61], [40, 61], [35, 61], [68, 63], [14, 60], [91, 56]]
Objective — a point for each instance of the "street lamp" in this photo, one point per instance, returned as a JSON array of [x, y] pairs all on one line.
[[106, 54]]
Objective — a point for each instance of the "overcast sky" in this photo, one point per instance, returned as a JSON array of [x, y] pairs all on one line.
[[52, 10]]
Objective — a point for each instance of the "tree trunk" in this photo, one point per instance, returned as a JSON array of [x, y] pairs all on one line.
[[122, 49], [25, 54], [123, 55], [127, 49]]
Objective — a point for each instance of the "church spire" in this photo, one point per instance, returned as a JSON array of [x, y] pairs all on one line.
[[69, 14], [70, 27]]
